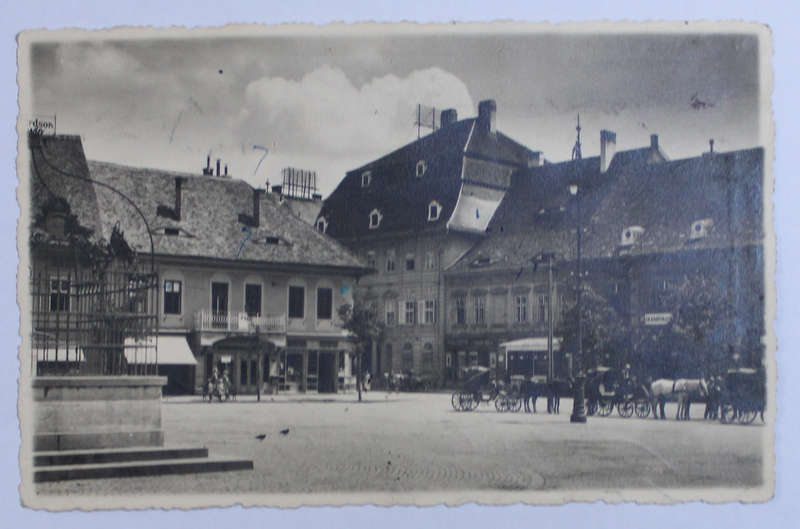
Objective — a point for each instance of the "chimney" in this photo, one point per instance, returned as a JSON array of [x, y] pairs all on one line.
[[226, 169], [448, 117], [178, 182], [654, 141], [487, 115], [218, 161], [711, 146], [207, 170], [316, 197], [257, 194], [608, 147], [174, 212], [277, 189]]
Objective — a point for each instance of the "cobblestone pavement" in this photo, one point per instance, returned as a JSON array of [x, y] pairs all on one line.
[[417, 442]]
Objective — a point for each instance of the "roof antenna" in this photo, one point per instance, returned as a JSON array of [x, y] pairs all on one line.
[[576, 151]]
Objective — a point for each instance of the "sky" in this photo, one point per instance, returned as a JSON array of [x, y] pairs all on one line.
[[330, 100]]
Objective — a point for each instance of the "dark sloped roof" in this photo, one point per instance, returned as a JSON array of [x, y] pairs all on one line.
[[667, 198], [51, 157], [209, 226], [401, 196], [539, 216]]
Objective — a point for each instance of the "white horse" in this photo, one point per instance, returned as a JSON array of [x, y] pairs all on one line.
[[683, 388]]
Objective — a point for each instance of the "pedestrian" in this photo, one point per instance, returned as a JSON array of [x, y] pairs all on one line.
[[368, 381]]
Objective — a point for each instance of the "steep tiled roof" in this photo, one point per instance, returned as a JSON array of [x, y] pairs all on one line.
[[51, 157], [402, 197], [538, 215], [666, 199], [209, 226]]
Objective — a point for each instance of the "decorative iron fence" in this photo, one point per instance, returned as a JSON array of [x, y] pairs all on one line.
[[94, 322]]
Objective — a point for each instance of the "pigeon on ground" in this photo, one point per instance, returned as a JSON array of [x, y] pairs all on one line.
[[285, 432], [261, 437]]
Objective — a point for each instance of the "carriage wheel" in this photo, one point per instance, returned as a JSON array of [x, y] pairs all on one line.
[[642, 408], [455, 401], [591, 407], [468, 402], [515, 404], [727, 414], [625, 408], [501, 403], [464, 401], [605, 407], [746, 417]]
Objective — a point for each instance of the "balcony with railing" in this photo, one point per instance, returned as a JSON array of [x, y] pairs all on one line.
[[239, 322]]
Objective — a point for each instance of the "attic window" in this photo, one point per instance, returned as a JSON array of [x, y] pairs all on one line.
[[701, 229], [434, 209], [630, 235], [481, 261], [375, 219], [366, 178], [172, 231], [322, 224], [421, 168], [273, 240]]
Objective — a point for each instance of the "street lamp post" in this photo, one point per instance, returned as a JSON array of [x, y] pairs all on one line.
[[578, 404]]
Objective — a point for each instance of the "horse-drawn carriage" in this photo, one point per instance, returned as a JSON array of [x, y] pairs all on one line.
[[742, 396], [607, 388], [478, 389]]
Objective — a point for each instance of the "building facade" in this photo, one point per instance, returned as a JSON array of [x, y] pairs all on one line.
[[411, 215], [671, 268], [243, 284]]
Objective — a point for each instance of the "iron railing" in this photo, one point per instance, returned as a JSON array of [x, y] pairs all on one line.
[[238, 322], [94, 322]]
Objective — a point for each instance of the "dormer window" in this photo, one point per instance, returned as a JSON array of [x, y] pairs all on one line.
[[701, 229], [322, 224], [366, 178], [630, 235], [421, 168], [434, 209], [375, 219]]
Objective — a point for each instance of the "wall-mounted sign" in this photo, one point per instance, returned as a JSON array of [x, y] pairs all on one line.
[[657, 318], [225, 359]]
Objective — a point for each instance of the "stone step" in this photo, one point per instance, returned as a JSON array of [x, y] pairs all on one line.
[[131, 469], [114, 455]]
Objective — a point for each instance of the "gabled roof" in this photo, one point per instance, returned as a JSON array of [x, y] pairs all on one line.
[[210, 226], [402, 196], [667, 199]]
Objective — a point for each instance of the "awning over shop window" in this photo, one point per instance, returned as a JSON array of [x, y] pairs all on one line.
[[530, 344], [172, 350]]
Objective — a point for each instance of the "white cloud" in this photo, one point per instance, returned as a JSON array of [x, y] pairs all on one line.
[[324, 113]]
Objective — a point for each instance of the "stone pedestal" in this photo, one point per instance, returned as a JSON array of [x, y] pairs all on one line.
[[74, 413]]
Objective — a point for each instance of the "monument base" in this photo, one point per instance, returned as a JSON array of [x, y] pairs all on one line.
[[91, 412]]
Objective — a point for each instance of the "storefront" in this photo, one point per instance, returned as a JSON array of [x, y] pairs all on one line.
[[281, 365]]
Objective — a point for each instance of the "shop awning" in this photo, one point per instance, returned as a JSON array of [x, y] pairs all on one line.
[[530, 344], [172, 350], [175, 350]]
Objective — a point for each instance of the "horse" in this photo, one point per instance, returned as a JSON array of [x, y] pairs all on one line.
[[683, 388], [530, 390]]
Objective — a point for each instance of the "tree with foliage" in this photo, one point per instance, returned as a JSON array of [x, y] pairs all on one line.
[[690, 345], [361, 322], [605, 331]]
